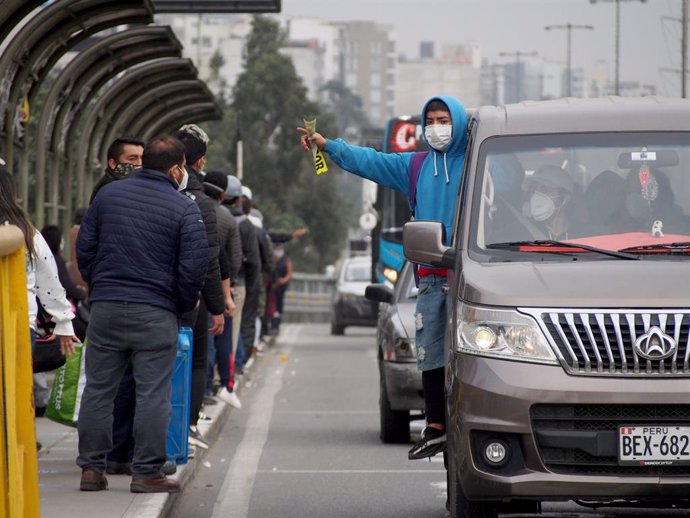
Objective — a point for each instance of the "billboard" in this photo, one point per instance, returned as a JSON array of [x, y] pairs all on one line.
[[217, 6]]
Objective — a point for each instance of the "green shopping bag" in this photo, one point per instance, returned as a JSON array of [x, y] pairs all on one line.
[[68, 387]]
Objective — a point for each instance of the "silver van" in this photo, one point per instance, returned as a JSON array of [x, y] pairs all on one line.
[[568, 344]]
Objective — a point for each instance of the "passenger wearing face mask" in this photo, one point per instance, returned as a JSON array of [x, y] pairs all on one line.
[[124, 155], [215, 295], [444, 121], [142, 249], [550, 193]]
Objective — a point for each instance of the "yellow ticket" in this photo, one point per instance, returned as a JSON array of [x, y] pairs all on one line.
[[319, 159]]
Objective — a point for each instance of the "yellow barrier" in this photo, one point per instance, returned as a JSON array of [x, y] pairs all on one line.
[[18, 460]]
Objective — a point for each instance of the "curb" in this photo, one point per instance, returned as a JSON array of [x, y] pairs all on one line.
[[160, 505]]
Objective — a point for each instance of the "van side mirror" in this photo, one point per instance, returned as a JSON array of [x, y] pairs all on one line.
[[379, 293], [423, 244]]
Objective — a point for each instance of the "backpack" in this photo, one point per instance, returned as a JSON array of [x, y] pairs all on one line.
[[415, 168]]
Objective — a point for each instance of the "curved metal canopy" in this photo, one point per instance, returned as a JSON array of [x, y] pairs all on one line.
[[48, 35], [12, 12], [190, 113], [138, 115], [112, 54], [132, 52], [49, 50], [158, 109], [124, 90]]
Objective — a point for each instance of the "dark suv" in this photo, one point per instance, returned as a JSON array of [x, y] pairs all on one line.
[[569, 327]]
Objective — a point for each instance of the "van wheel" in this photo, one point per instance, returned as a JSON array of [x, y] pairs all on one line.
[[460, 507], [337, 329], [395, 424]]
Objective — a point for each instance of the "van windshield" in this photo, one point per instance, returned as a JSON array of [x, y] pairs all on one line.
[[623, 191]]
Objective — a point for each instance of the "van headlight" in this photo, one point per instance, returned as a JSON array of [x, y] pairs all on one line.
[[501, 334]]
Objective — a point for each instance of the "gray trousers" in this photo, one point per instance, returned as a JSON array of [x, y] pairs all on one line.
[[117, 332]]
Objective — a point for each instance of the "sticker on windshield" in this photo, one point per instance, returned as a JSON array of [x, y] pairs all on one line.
[[644, 156]]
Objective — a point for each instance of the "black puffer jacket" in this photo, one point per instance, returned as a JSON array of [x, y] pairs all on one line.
[[212, 290]]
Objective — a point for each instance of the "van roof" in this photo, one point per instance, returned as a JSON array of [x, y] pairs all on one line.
[[572, 115]]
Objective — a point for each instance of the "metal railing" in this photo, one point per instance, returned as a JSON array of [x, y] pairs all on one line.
[[309, 298]]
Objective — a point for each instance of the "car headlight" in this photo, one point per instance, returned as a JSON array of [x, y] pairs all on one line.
[[501, 334], [390, 274]]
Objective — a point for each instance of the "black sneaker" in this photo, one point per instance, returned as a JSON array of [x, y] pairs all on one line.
[[196, 438], [433, 441]]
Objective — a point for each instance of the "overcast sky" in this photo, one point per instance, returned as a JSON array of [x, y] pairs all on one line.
[[648, 42]]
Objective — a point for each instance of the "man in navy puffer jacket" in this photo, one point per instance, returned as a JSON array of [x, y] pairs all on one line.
[[143, 250]]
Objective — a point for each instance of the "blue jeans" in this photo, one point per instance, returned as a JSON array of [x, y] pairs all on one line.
[[239, 355], [219, 352], [431, 320]]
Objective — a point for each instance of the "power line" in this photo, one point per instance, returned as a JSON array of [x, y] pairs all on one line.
[[683, 48], [618, 36], [518, 72], [569, 28]]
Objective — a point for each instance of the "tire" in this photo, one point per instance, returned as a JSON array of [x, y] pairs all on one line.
[[395, 424], [460, 507], [337, 329]]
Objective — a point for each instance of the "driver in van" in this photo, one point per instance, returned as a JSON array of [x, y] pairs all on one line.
[[550, 192], [444, 121]]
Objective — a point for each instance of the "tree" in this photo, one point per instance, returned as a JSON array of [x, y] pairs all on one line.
[[345, 105], [215, 80], [272, 101]]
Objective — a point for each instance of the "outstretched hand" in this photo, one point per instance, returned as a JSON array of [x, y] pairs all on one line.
[[314, 138]]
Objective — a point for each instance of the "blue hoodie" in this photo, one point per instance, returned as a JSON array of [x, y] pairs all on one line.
[[439, 177]]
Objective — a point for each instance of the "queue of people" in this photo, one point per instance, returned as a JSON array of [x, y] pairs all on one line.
[[161, 245]]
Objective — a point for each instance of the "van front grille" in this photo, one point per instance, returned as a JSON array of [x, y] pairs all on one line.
[[620, 343], [583, 439]]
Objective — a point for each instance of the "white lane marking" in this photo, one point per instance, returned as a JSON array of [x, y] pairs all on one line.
[[236, 491], [351, 471]]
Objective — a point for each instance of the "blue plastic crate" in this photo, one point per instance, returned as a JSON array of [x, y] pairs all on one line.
[[176, 441]]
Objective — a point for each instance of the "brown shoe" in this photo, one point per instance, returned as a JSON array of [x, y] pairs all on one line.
[[92, 480], [160, 484]]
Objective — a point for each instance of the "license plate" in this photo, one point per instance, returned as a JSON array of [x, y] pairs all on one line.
[[653, 445]]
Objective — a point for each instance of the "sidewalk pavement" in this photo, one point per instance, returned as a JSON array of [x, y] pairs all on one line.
[[59, 476]]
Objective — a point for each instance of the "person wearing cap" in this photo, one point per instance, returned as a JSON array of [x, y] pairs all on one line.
[[250, 270], [213, 300], [220, 346], [550, 190]]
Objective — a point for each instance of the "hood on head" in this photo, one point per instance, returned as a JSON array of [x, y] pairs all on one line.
[[458, 115]]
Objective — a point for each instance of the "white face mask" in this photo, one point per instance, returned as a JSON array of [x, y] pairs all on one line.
[[541, 206], [279, 253], [438, 135], [185, 178]]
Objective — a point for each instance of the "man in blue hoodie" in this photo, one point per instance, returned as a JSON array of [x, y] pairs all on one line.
[[444, 121]]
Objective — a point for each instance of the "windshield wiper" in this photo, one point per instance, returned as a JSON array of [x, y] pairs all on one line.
[[680, 247], [573, 246]]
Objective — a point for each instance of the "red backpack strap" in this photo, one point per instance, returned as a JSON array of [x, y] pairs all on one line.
[[415, 167]]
